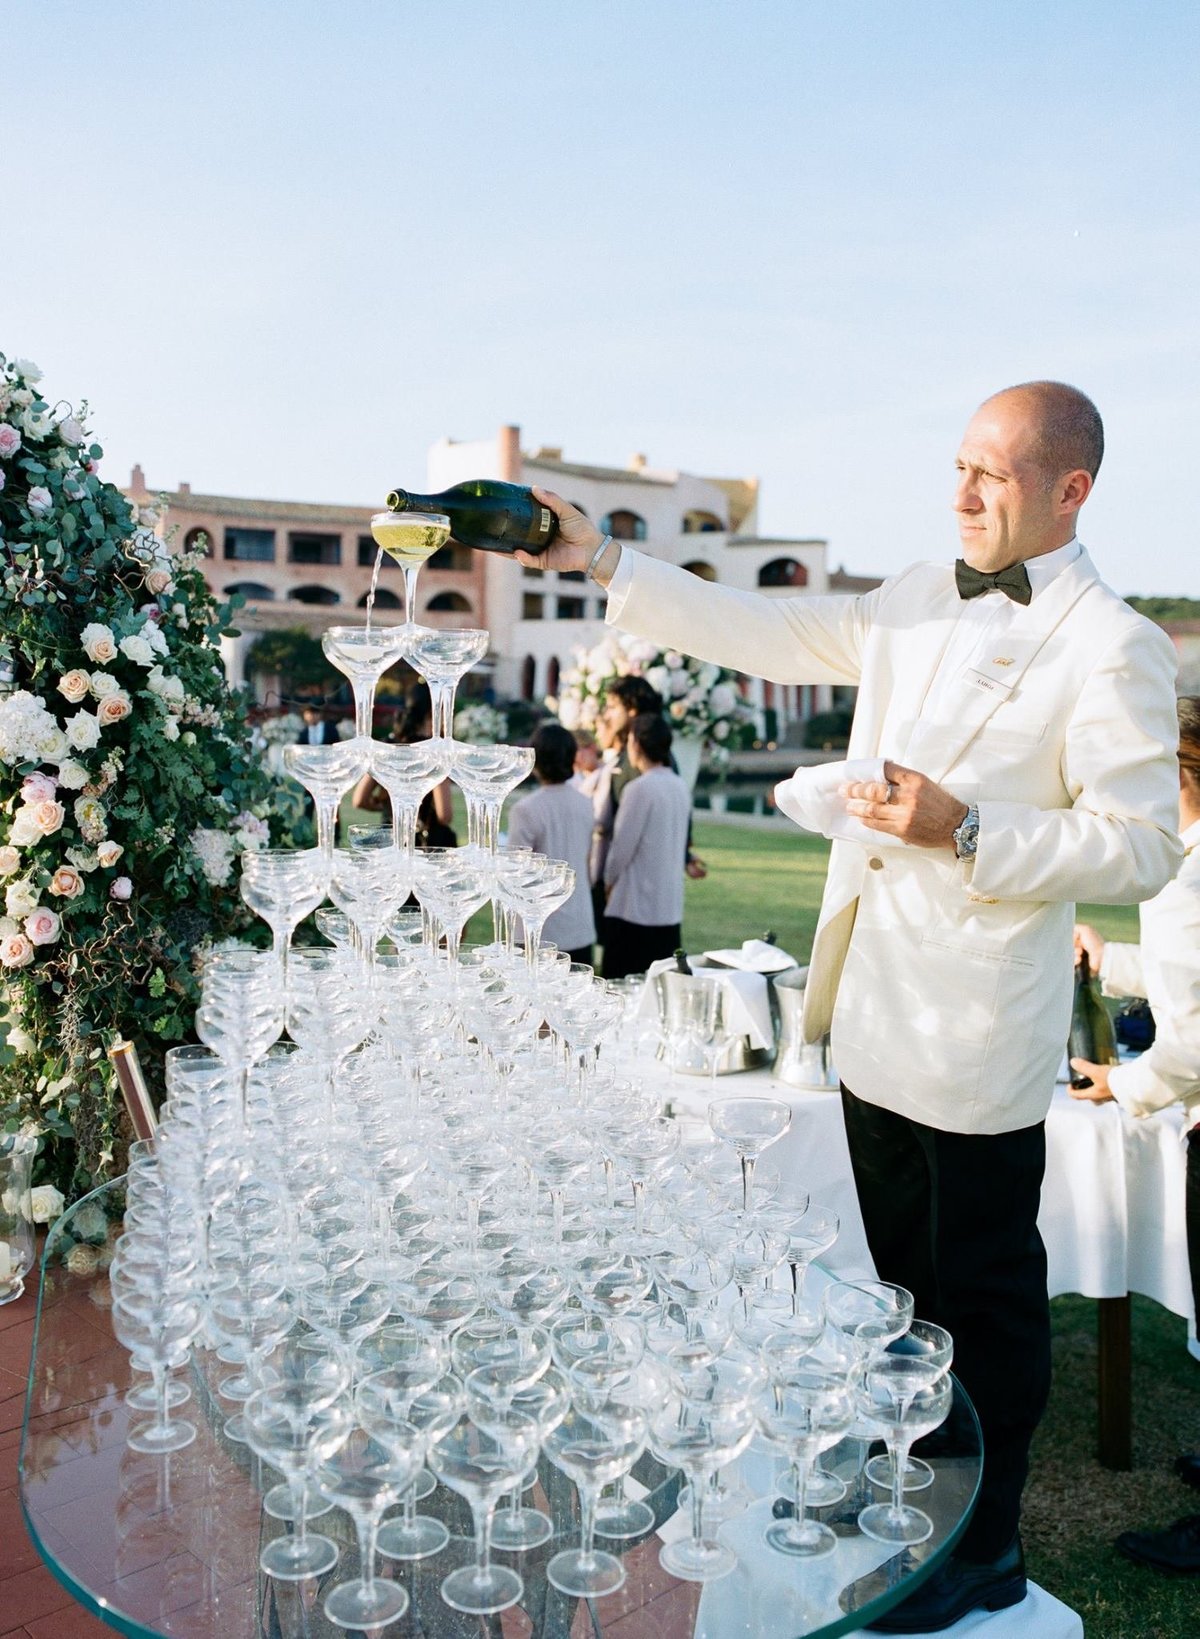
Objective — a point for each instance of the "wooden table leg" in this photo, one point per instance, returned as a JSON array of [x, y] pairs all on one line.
[[1114, 1386]]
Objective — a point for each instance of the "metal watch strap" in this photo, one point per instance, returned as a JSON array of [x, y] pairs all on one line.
[[966, 834]]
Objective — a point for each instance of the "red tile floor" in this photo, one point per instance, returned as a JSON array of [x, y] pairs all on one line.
[[32, 1604]]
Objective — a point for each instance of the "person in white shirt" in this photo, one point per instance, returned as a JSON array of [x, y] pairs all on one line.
[[1025, 718], [644, 908], [1164, 968], [556, 820]]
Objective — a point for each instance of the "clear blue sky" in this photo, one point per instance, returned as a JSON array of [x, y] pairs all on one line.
[[281, 248]]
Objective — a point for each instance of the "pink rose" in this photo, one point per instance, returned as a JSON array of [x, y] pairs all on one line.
[[39, 500], [15, 950], [10, 860], [42, 925], [10, 439], [66, 882], [48, 816], [158, 581], [121, 888], [74, 685], [38, 788], [114, 708], [108, 853]]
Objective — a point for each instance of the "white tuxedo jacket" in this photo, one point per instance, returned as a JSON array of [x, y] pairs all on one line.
[[947, 985]]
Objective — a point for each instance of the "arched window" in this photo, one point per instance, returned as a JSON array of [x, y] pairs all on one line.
[[448, 603], [251, 590], [383, 599], [698, 522], [624, 526], [528, 674], [313, 594], [703, 571], [552, 672], [783, 572], [198, 540]]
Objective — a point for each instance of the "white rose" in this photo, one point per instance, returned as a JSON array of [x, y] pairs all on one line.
[[27, 370], [10, 860], [709, 674], [113, 709], [73, 685], [679, 684], [155, 637], [170, 729], [722, 700], [47, 1203], [102, 684], [138, 650], [20, 898], [40, 501], [73, 775], [98, 643], [42, 926], [83, 731], [108, 853], [22, 397], [659, 679], [52, 747], [673, 660], [24, 832], [70, 431], [720, 730]]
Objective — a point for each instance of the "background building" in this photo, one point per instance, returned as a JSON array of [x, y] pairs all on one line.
[[308, 565]]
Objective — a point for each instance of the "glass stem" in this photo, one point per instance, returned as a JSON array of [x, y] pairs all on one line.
[[483, 1540], [800, 1468], [162, 1407], [900, 1445], [410, 593], [748, 1163], [368, 1529], [364, 709], [698, 1489], [298, 1492], [587, 1533], [639, 1198], [326, 824]]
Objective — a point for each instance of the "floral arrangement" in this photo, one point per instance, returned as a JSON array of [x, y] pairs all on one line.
[[480, 724], [127, 784], [700, 700]]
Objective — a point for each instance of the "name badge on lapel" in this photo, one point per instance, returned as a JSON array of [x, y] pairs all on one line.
[[985, 684]]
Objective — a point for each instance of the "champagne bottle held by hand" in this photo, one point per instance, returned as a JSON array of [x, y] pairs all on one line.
[[1092, 1037], [487, 514]]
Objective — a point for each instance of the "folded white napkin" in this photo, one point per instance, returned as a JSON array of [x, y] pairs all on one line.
[[747, 1011], [755, 956], [810, 798]]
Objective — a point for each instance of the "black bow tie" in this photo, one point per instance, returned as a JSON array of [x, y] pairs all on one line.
[[973, 583]]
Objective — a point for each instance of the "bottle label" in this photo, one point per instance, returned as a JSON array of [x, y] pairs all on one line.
[[544, 522]]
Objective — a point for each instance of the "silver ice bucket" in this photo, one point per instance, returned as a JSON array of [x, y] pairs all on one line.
[[799, 1063]]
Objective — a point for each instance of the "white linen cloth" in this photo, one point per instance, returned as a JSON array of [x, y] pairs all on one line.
[[755, 956], [746, 1009], [810, 799]]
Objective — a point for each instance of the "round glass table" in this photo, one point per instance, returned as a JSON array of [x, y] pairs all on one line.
[[169, 1545]]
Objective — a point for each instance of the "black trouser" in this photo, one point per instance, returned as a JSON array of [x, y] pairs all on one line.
[[953, 1217], [630, 948]]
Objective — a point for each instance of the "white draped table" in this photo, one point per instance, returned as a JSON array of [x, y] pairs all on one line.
[[1112, 1212]]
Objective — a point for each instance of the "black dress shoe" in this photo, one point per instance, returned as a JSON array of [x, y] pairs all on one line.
[[1188, 1469], [1177, 1549], [958, 1587]]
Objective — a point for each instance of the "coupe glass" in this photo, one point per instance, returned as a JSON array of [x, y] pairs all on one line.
[[594, 1449], [157, 1327], [294, 1426], [811, 1407], [408, 773], [486, 775], [893, 1399], [930, 1349], [283, 886], [809, 1234], [385, 1403], [700, 1439], [534, 887], [750, 1125], [443, 657], [452, 883], [481, 1462], [365, 1476], [363, 656], [369, 884], [694, 1023], [327, 773], [410, 538]]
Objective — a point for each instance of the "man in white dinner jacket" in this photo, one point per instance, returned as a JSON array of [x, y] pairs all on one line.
[[1027, 718]]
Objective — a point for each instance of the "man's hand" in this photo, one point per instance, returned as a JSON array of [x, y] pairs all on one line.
[[576, 541], [908, 806], [1089, 942], [1097, 1074], [696, 868]]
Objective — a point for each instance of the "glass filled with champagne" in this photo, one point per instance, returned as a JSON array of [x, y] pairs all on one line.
[[409, 538]]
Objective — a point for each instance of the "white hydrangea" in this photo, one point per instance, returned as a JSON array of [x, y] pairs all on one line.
[[215, 851], [25, 727]]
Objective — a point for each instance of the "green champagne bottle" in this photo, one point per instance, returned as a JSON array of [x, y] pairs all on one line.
[[1092, 1036], [487, 514]]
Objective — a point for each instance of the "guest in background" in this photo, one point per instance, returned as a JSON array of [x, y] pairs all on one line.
[[556, 820], [317, 730], [644, 908], [434, 828], [1165, 969], [587, 761]]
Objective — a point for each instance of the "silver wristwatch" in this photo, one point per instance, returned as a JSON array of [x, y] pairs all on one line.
[[966, 835]]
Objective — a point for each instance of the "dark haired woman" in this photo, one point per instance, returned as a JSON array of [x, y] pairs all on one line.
[[644, 911], [556, 820]]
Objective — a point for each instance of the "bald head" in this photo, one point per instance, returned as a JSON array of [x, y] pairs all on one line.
[[1067, 434]]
